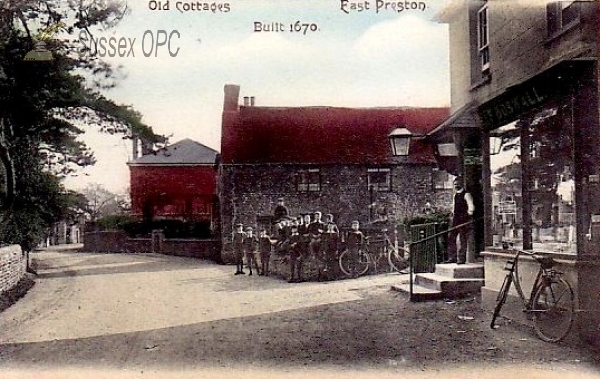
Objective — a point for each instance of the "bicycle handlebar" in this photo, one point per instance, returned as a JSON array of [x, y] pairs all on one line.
[[544, 260]]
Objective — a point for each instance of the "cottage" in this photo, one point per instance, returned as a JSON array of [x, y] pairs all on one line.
[[335, 160]]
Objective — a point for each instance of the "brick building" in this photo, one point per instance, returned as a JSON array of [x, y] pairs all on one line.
[[336, 160], [178, 182], [525, 121]]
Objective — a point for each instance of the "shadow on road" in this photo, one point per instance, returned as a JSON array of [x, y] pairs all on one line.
[[384, 331], [74, 264]]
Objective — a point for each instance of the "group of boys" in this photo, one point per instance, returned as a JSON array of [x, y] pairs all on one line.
[[246, 243], [298, 238], [303, 237]]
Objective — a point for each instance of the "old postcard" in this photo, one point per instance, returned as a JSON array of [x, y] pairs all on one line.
[[284, 188]]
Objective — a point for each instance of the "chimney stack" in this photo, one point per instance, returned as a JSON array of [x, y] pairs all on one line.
[[232, 96], [134, 147]]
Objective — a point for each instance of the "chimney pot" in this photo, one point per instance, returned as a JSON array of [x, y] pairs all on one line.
[[246, 101], [251, 101]]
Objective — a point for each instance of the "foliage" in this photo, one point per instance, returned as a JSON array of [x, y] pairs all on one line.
[[43, 102], [114, 222], [40, 201], [101, 202], [437, 217]]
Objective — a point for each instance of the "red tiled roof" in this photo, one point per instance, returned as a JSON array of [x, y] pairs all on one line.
[[324, 135]]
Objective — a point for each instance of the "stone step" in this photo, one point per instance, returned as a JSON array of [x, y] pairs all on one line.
[[420, 293], [466, 271], [450, 287]]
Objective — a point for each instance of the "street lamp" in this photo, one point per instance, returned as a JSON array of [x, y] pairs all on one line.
[[400, 140]]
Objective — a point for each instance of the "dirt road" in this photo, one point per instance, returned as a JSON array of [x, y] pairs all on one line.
[[155, 316]]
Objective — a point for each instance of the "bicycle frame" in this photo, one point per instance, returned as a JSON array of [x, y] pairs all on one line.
[[539, 281], [550, 303], [374, 249]]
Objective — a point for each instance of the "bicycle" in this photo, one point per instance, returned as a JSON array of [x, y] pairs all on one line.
[[551, 304], [357, 263]]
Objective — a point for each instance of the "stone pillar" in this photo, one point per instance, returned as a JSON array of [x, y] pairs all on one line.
[[157, 241]]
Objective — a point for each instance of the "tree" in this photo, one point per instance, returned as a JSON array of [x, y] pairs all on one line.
[[40, 202], [101, 202], [42, 102]]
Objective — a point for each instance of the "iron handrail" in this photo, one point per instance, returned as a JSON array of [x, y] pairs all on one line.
[[411, 255]]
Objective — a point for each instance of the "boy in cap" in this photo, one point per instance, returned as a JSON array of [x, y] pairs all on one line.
[[354, 241], [329, 220], [295, 256], [329, 243], [238, 248], [280, 210], [265, 244], [315, 229], [251, 249]]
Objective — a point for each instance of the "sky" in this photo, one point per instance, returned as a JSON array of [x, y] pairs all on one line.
[[369, 58]]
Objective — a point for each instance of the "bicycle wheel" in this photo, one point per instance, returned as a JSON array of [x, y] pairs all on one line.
[[552, 308], [397, 259], [354, 264], [501, 298]]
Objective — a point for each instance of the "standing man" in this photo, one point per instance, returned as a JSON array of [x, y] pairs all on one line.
[[280, 210], [462, 214]]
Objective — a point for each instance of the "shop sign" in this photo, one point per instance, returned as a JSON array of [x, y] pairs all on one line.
[[472, 157], [508, 207], [510, 106]]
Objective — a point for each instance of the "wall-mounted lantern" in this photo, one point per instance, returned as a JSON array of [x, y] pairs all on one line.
[[400, 140]]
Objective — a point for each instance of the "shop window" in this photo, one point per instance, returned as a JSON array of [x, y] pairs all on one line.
[[379, 179], [532, 183], [308, 180], [562, 15], [483, 38], [442, 180]]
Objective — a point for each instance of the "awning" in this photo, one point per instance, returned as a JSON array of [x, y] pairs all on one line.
[[464, 118]]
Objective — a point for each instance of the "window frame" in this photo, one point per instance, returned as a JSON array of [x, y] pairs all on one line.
[[379, 186], [555, 16], [445, 184], [483, 37], [308, 180]]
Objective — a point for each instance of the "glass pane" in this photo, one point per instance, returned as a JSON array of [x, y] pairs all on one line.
[[552, 183], [570, 12], [507, 203], [400, 146], [483, 27], [549, 183]]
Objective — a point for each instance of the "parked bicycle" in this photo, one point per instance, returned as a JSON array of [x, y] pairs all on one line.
[[551, 304], [375, 249]]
